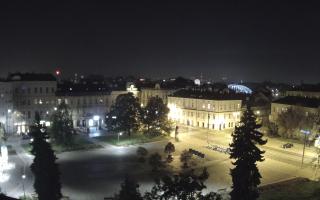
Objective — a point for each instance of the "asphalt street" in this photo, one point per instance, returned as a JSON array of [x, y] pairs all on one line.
[[95, 174]]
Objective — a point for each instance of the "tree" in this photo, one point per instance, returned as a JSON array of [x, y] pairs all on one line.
[[272, 129], [245, 174], [169, 149], [155, 117], [47, 177], [155, 161], [129, 190], [289, 121], [124, 115], [186, 185], [185, 158], [142, 153], [62, 125]]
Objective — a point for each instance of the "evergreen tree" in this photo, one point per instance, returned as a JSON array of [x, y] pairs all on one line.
[[47, 177], [129, 190], [244, 150], [62, 125], [155, 117], [124, 114]]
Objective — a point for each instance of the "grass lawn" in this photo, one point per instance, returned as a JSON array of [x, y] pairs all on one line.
[[80, 143], [295, 190], [126, 140]]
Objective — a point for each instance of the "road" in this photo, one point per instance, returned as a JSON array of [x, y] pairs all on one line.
[[94, 174]]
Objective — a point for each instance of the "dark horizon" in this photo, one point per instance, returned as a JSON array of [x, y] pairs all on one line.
[[250, 42]]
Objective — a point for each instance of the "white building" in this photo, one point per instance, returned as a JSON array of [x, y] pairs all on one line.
[[205, 109], [23, 95]]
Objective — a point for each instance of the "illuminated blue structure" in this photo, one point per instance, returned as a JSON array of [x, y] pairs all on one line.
[[240, 88]]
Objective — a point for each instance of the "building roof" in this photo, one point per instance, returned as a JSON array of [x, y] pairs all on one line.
[[31, 77], [306, 88], [71, 89], [209, 94], [299, 101]]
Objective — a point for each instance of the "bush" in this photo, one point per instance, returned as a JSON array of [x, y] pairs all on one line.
[[142, 153]]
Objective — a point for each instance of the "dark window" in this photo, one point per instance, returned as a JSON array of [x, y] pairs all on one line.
[[35, 90], [47, 90]]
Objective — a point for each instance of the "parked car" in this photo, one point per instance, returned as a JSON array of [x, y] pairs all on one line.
[[287, 145], [26, 137]]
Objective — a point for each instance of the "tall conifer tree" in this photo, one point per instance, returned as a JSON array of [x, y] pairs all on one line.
[[245, 175], [47, 177]]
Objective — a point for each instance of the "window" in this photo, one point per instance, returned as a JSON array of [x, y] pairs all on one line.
[[29, 114], [29, 90], [47, 90], [35, 90], [52, 90], [40, 90]]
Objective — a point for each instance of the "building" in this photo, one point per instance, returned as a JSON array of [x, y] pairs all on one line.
[[306, 105], [89, 102], [205, 108], [305, 90], [23, 96], [148, 92]]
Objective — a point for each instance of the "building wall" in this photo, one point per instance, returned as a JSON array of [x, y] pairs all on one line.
[[303, 94], [147, 93], [24, 99], [277, 108], [213, 114]]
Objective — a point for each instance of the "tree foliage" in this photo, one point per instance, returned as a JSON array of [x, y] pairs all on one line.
[[155, 161], [155, 117], [186, 185], [169, 148], [47, 177], [294, 119], [62, 126], [185, 158], [124, 115], [245, 174], [129, 190], [142, 153]]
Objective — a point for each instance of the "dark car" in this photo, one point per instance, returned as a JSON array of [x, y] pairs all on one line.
[[26, 137], [287, 145]]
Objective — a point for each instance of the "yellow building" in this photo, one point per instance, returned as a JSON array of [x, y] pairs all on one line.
[[205, 109], [157, 91]]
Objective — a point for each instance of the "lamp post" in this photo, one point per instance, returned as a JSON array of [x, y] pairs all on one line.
[[23, 178], [305, 132], [208, 128], [119, 134]]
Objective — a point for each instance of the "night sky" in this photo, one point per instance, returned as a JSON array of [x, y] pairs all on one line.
[[241, 41]]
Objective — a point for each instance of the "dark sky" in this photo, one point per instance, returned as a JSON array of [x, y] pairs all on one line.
[[254, 41]]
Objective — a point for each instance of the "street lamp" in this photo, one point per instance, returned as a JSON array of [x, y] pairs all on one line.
[[119, 134], [305, 132], [208, 128], [23, 178]]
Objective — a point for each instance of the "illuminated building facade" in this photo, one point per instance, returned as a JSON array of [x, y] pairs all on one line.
[[24, 95], [205, 109], [89, 103], [157, 91]]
